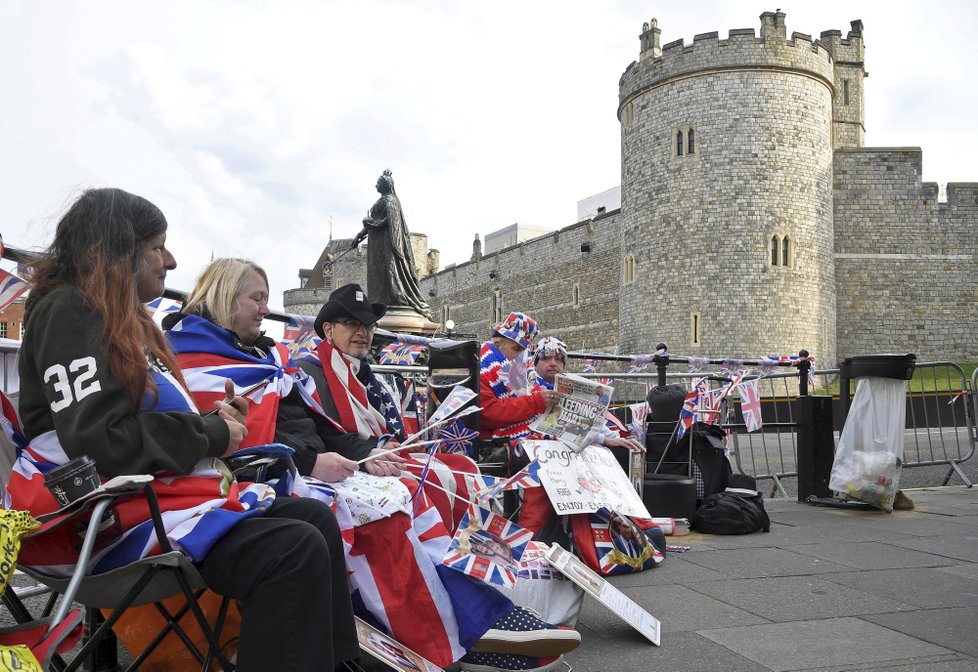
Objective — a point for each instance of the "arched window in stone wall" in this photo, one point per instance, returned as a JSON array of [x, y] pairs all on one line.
[[782, 251], [695, 330], [628, 114], [577, 294], [686, 142], [628, 269], [446, 313], [497, 307]]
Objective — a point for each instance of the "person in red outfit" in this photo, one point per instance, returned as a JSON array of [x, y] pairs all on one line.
[[509, 404]]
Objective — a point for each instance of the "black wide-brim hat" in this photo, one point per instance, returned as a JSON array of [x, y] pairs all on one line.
[[349, 301]]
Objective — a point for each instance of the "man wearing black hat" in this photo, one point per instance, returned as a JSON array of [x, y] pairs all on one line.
[[349, 390]]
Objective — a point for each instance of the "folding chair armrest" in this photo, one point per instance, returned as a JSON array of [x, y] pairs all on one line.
[[120, 487]]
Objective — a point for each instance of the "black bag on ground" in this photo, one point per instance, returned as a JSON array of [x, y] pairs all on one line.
[[737, 510]]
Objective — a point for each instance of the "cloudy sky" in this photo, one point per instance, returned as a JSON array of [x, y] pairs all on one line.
[[255, 124]]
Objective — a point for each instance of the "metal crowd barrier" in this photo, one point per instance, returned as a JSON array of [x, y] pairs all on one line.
[[940, 426]]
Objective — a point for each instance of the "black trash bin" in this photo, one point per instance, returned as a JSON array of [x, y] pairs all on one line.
[[895, 366]]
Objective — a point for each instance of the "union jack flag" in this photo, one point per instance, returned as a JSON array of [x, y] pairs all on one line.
[[487, 547], [639, 363], [694, 364], [11, 287], [637, 425], [709, 405], [298, 327], [591, 365], [457, 438], [400, 353], [304, 346], [688, 414], [750, 405], [490, 486], [621, 545]]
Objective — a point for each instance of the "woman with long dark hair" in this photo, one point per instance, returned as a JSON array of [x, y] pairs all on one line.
[[98, 378]]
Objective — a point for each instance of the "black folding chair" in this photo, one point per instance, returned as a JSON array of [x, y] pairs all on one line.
[[146, 581]]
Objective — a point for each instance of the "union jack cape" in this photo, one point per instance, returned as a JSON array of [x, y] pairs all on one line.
[[207, 356], [367, 410], [198, 509]]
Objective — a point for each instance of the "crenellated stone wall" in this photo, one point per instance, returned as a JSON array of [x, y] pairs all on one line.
[[905, 263]]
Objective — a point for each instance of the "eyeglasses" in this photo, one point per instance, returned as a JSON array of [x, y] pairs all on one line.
[[354, 325], [260, 299]]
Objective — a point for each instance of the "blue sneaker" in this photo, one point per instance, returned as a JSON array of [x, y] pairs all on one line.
[[522, 632], [496, 662]]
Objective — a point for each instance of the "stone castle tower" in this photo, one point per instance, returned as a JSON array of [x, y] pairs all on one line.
[[733, 266]]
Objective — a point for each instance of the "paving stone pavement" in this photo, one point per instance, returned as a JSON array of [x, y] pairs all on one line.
[[825, 589]]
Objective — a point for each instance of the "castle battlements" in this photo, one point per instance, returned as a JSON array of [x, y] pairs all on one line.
[[850, 49], [742, 49], [962, 194]]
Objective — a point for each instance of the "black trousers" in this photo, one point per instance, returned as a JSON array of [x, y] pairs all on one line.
[[287, 572]]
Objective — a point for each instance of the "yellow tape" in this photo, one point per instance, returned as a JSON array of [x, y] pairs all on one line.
[[13, 525], [18, 659]]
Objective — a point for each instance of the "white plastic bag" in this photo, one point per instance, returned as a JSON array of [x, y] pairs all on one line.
[[867, 462]]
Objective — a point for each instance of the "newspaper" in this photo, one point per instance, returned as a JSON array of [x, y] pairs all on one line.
[[605, 593], [579, 415], [390, 651]]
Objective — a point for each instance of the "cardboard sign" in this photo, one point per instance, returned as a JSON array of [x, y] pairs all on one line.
[[390, 651], [605, 593], [583, 482]]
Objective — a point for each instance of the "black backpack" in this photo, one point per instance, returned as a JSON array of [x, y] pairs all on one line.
[[737, 510]]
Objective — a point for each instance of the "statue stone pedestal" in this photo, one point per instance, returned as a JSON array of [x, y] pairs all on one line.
[[407, 321]]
